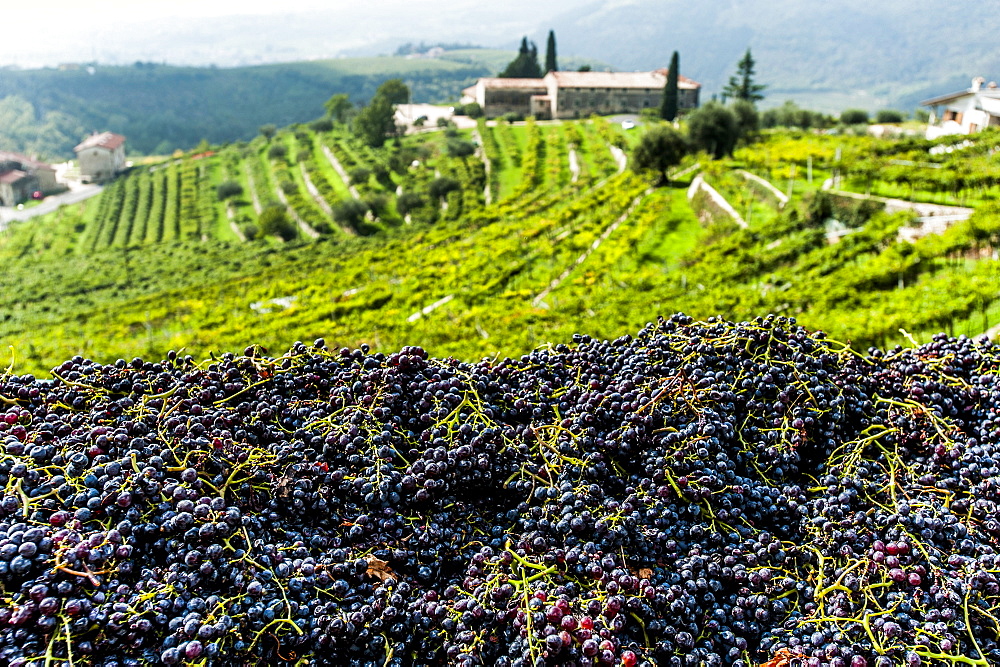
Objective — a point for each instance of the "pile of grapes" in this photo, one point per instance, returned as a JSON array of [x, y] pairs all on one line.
[[706, 493]]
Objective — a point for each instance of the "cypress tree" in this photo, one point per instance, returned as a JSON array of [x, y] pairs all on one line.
[[671, 95], [525, 65], [550, 54]]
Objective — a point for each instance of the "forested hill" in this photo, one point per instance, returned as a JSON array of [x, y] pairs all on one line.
[[161, 108]]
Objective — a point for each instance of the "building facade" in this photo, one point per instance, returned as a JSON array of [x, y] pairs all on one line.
[[100, 157], [578, 94], [964, 112], [21, 177]]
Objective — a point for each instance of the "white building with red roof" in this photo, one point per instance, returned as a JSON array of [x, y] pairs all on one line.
[[101, 156], [579, 94]]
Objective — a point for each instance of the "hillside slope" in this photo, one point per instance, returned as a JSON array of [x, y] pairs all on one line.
[[472, 262], [161, 108]]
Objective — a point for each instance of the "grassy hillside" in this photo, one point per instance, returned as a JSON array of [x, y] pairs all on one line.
[[161, 108], [158, 262]]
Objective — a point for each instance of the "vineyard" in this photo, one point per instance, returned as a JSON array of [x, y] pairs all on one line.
[[498, 240]]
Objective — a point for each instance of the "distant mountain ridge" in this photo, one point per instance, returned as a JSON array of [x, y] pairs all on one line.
[[827, 56], [161, 108]]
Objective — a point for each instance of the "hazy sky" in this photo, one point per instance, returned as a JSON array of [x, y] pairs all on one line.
[[191, 32], [71, 13]]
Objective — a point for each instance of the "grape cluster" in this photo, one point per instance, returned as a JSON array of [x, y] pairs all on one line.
[[705, 493]]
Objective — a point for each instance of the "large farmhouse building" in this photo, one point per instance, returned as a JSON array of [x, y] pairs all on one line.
[[964, 112], [101, 156], [21, 177], [578, 94]]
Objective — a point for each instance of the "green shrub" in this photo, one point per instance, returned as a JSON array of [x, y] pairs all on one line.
[[321, 125], [274, 221], [228, 189], [277, 152], [854, 117], [889, 116], [350, 213], [440, 187], [408, 202], [359, 175]]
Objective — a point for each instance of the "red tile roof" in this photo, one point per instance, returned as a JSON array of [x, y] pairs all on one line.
[[498, 82], [108, 140], [655, 79]]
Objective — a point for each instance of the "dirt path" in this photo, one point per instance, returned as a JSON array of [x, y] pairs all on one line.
[[339, 168], [481, 154], [303, 225], [253, 194], [620, 158], [574, 165], [314, 192]]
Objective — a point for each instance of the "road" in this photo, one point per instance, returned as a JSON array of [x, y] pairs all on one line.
[[79, 193]]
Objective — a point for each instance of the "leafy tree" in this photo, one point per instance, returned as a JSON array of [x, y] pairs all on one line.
[[274, 221], [658, 150], [525, 65], [854, 117], [671, 95], [713, 129], [338, 106], [267, 131], [747, 119], [377, 121], [741, 85], [394, 90], [584, 68], [550, 54]]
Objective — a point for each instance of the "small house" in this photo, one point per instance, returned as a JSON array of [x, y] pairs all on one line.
[[21, 177], [100, 157], [966, 111]]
